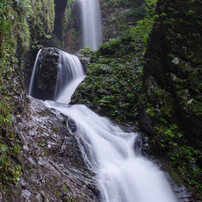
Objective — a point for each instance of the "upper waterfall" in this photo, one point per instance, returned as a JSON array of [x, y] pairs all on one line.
[[91, 23]]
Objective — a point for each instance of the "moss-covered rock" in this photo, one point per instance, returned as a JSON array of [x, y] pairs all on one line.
[[119, 15], [46, 74], [172, 86], [113, 80], [22, 24]]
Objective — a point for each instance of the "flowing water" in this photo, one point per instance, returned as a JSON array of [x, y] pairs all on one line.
[[70, 74], [122, 174], [91, 23], [31, 85]]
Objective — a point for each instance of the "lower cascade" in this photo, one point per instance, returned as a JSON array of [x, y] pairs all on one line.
[[122, 174]]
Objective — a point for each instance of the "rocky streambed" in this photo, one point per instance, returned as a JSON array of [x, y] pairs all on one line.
[[52, 165]]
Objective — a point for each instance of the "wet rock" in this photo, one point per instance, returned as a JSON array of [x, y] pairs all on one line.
[[71, 125], [46, 74], [52, 163], [138, 145]]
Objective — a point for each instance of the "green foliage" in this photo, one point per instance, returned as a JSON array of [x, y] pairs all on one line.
[[182, 156], [108, 89], [17, 20], [119, 15], [67, 15], [174, 105], [10, 172], [171, 141], [113, 82], [41, 20], [142, 29]]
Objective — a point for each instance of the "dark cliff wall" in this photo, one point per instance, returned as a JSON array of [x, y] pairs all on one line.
[[171, 104], [60, 6]]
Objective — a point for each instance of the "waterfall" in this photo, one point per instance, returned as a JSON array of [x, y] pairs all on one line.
[[91, 23], [122, 174], [31, 85], [70, 74]]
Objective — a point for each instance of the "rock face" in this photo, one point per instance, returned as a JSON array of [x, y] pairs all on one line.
[[171, 104], [117, 16], [72, 31], [46, 74], [60, 6], [52, 164]]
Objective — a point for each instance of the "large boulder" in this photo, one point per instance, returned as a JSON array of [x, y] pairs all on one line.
[[46, 74]]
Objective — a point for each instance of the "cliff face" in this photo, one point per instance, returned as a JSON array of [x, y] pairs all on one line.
[[24, 24], [118, 16], [60, 6], [171, 104]]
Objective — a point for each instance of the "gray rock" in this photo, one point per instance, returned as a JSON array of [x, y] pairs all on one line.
[[53, 168], [46, 74]]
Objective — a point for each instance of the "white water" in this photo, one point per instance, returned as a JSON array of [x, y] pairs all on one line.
[[91, 23], [31, 85], [122, 175], [70, 74]]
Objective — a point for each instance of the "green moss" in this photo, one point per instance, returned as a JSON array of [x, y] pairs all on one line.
[[41, 20], [119, 15], [22, 24], [113, 81], [173, 174]]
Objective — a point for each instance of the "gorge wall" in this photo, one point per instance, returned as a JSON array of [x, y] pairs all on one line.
[[60, 7], [118, 16], [171, 104]]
